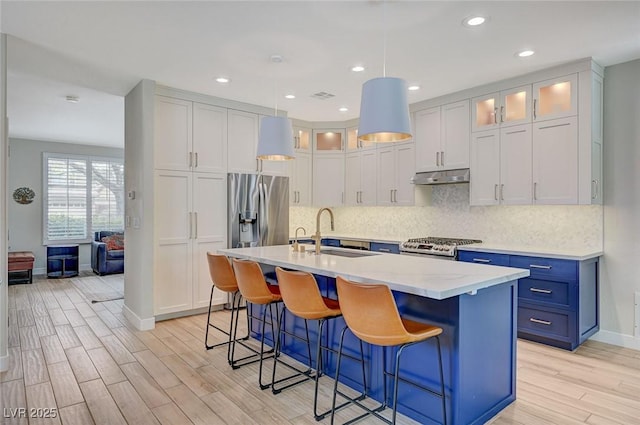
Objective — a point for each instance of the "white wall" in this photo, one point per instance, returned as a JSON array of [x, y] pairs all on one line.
[[138, 269], [620, 272], [25, 169], [4, 295], [448, 214]]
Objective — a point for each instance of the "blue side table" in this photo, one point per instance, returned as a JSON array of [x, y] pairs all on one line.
[[62, 261]]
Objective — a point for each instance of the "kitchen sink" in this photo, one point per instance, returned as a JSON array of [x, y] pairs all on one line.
[[350, 254]]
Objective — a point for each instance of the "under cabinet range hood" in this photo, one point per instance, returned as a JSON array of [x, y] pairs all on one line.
[[442, 177]]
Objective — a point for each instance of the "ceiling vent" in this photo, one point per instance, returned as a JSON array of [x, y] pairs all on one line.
[[323, 95]]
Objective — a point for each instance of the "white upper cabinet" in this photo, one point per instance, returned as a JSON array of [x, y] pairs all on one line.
[[555, 161], [501, 166], [395, 169], [329, 140], [360, 178], [555, 98], [501, 109], [302, 139], [300, 179], [173, 134], [209, 152], [328, 180], [442, 137], [242, 141], [353, 144]]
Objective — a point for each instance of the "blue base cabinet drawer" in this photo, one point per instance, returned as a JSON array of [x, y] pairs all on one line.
[[557, 303], [556, 294], [543, 322], [390, 248], [484, 258]]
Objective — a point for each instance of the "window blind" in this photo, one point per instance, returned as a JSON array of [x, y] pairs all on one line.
[[66, 198]]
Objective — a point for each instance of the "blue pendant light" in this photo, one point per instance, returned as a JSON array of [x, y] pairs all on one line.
[[384, 109], [275, 140]]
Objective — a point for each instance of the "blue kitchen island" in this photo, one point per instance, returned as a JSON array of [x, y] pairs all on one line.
[[475, 305]]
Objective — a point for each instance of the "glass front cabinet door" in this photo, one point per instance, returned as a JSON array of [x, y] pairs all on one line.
[[328, 140], [506, 108], [555, 98], [302, 139]]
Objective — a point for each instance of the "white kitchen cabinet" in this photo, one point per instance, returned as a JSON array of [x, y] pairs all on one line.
[[555, 161], [555, 98], [501, 166], [302, 139], [242, 141], [501, 109], [189, 136], [300, 170], [442, 137], [395, 169], [173, 133], [360, 178], [329, 141], [328, 180], [354, 145], [190, 219]]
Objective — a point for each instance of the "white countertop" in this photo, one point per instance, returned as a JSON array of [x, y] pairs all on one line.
[[578, 254], [426, 277]]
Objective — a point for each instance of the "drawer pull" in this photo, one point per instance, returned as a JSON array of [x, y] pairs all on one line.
[[541, 291], [542, 322], [384, 250], [535, 266], [481, 260]]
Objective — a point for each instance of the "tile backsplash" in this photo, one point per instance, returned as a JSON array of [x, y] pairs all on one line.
[[448, 214]]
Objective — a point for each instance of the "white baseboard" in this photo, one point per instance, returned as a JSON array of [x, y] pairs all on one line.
[[140, 324], [615, 338], [4, 363]]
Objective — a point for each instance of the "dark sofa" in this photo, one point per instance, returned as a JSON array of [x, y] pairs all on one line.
[[103, 260]]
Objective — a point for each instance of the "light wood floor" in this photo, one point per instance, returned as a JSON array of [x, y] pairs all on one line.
[[89, 363]]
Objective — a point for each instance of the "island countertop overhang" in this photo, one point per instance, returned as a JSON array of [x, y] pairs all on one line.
[[425, 277]]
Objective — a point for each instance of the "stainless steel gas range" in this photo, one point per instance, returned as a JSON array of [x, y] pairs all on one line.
[[443, 248]]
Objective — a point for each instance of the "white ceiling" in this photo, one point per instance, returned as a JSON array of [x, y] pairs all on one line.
[[100, 50]]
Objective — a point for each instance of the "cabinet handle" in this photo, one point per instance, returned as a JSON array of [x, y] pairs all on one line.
[[384, 250], [495, 115], [195, 225], [596, 192], [536, 266], [516, 132], [442, 158], [196, 160], [542, 322], [535, 101], [395, 195], [190, 225], [501, 114], [437, 159], [481, 260], [535, 191], [553, 126], [495, 192], [540, 291], [360, 195], [502, 192], [190, 159], [391, 195]]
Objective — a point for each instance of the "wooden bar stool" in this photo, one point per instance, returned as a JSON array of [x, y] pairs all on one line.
[[371, 314], [302, 298], [223, 278], [257, 291]]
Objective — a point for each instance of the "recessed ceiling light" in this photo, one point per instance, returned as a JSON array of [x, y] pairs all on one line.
[[290, 96], [223, 80], [343, 109], [413, 88], [474, 21], [525, 53], [358, 68], [72, 99]]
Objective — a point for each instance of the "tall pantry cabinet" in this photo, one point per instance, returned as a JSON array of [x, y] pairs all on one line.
[[190, 142]]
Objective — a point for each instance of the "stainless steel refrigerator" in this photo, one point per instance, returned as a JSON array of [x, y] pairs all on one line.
[[258, 210]]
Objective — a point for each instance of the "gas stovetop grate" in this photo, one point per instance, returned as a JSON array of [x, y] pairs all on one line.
[[444, 241]]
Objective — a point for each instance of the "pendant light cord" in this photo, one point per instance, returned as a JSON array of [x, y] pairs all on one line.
[[384, 38]]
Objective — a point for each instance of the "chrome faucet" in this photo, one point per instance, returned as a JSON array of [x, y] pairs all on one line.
[[295, 241], [317, 236]]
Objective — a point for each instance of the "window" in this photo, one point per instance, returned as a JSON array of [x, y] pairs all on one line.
[[83, 195]]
